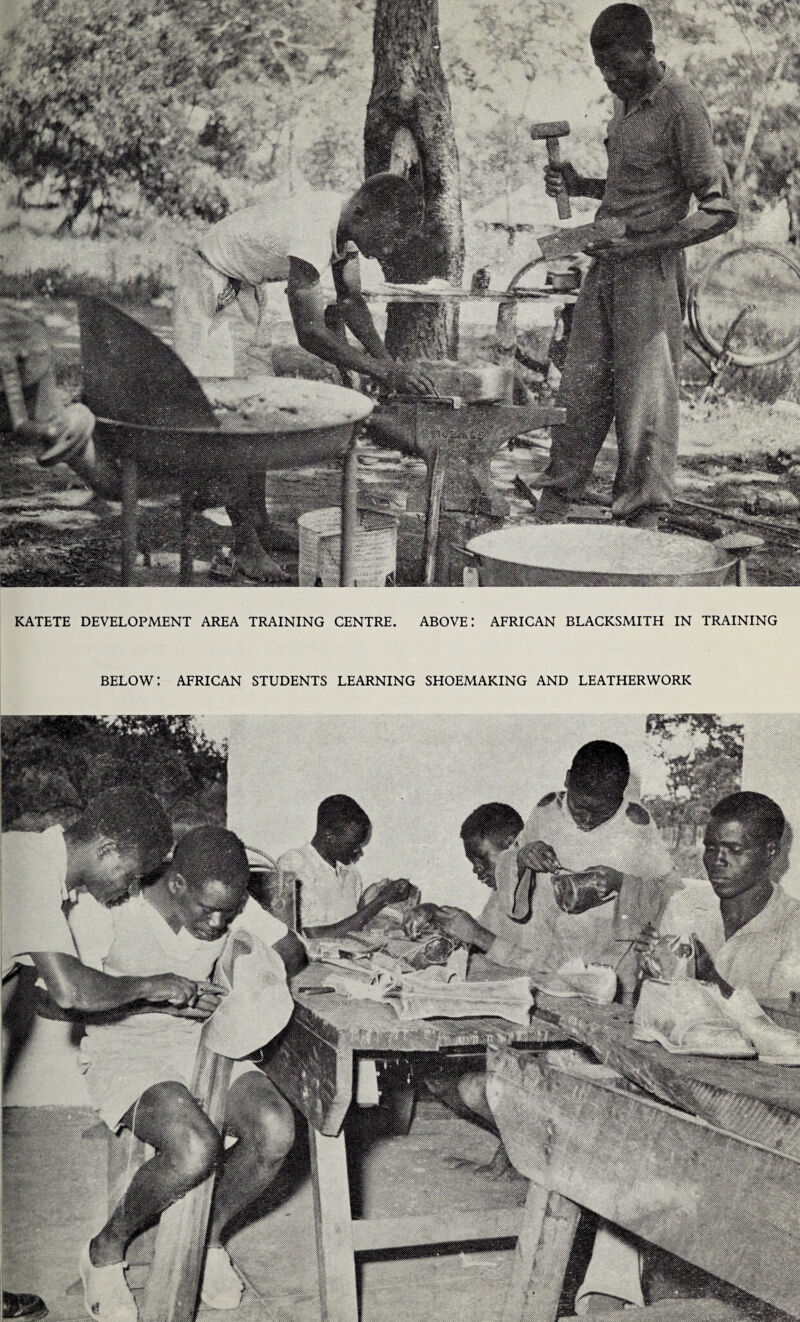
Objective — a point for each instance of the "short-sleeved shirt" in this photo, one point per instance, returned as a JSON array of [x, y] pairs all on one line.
[[254, 245], [764, 955], [660, 152], [326, 894], [35, 896], [628, 842], [139, 942]]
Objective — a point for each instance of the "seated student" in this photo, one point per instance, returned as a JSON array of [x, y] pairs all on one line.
[[332, 900], [139, 1067], [122, 834], [220, 296], [486, 833], [592, 827], [751, 939], [757, 939]]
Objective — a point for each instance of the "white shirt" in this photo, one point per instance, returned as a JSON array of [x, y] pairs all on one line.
[[34, 881], [628, 842], [140, 942], [254, 245], [326, 894]]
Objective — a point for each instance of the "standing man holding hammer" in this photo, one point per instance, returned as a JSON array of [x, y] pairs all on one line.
[[625, 349]]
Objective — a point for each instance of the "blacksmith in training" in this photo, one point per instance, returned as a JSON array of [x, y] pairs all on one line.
[[625, 347]]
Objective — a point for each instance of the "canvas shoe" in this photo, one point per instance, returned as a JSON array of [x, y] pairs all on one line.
[[105, 1291], [775, 1045], [222, 1285], [688, 1018]]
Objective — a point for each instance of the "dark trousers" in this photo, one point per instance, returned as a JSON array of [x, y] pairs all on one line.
[[622, 366]]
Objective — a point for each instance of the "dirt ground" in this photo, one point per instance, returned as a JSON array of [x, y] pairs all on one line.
[[57, 533]]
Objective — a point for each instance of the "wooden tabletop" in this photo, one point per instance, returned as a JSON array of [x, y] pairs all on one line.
[[756, 1101], [373, 1026]]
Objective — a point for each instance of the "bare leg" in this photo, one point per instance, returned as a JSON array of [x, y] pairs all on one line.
[[188, 1148], [263, 1122], [247, 515]]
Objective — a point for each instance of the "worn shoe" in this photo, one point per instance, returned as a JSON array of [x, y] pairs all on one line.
[[222, 1285], [27, 1306], [775, 1044], [105, 1291]]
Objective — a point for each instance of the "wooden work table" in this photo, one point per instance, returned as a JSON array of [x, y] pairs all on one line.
[[716, 1182], [314, 1064], [671, 1176]]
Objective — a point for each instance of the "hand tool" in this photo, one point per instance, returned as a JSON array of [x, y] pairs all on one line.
[[551, 131]]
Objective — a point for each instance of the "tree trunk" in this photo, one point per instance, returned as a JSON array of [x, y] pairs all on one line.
[[409, 129], [758, 106]]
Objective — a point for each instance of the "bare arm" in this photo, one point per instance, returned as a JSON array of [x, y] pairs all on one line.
[[356, 922], [357, 316], [461, 926], [565, 177], [716, 217], [292, 952], [74, 986], [307, 307]]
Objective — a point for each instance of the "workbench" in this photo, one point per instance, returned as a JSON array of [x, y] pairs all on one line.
[[314, 1066], [716, 1182]]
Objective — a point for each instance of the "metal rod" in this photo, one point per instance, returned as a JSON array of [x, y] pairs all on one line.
[[130, 495], [187, 519], [347, 575]]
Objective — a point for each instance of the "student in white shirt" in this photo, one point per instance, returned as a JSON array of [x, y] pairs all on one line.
[[331, 897], [139, 1067], [122, 834]]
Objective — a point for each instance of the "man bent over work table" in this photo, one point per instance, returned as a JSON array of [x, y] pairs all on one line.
[[139, 1066], [625, 347], [221, 288]]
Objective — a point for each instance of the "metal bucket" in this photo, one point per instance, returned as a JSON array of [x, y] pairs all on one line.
[[575, 555]]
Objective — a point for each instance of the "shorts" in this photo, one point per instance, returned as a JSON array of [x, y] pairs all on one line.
[[117, 1073], [217, 331]]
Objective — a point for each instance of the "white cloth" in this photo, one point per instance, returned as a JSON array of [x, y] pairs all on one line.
[[123, 1058], [254, 244], [34, 881], [326, 894]]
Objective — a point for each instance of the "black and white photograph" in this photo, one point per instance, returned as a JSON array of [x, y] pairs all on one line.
[[400, 293], [463, 1017]]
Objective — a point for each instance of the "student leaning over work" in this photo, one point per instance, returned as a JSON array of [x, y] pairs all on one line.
[[625, 347], [591, 832], [331, 897], [122, 834], [221, 291], [139, 1067]]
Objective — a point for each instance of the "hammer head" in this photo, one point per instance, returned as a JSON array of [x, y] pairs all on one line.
[[554, 128]]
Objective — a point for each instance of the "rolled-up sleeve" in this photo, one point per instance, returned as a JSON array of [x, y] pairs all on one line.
[[700, 162]]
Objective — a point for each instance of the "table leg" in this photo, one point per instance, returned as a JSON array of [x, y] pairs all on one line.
[[130, 495], [347, 574], [548, 1228], [334, 1229], [187, 520], [437, 473]]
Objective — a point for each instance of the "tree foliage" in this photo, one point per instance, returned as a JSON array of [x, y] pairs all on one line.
[[52, 765], [190, 106]]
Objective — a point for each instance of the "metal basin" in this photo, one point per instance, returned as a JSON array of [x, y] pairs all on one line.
[[573, 555], [284, 423]]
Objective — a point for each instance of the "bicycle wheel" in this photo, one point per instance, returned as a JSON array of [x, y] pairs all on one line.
[[746, 304]]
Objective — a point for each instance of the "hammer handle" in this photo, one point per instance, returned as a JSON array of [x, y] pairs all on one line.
[[562, 198]]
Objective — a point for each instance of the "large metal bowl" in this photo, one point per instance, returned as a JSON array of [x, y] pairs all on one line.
[[282, 423], [575, 555]]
